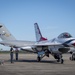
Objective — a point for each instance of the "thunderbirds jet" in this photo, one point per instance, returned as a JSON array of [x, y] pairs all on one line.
[[43, 47]]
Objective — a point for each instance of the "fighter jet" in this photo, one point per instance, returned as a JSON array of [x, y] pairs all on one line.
[[42, 46]]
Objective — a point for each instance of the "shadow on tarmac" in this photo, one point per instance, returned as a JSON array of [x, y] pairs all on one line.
[[35, 61]]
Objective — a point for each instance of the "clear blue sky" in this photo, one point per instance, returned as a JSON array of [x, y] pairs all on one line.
[[53, 17]]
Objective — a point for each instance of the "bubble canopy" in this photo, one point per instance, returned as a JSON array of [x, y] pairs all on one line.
[[64, 35]]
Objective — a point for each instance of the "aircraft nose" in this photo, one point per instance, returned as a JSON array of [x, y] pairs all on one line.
[[73, 43]]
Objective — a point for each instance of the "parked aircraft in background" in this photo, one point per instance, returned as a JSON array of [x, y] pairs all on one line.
[[43, 47]]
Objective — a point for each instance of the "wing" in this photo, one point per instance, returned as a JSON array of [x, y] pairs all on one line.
[[44, 43], [17, 43], [33, 45], [54, 46]]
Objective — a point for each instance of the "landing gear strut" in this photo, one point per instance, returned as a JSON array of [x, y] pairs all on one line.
[[41, 54], [61, 60]]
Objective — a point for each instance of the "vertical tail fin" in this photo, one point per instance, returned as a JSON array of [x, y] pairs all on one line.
[[5, 34], [38, 33]]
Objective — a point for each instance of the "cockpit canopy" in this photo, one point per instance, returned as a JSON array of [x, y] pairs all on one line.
[[64, 35]]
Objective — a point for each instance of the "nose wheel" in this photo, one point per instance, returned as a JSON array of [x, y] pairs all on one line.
[[72, 57]]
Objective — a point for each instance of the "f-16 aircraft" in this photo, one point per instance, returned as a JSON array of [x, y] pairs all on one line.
[[43, 47]]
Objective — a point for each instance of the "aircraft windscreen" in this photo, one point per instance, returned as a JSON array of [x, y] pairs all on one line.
[[64, 35]]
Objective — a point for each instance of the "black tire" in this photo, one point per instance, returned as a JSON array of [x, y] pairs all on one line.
[[58, 60], [70, 58], [62, 61], [73, 56], [38, 59], [74, 59]]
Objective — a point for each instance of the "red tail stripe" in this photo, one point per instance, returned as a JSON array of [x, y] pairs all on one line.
[[43, 39]]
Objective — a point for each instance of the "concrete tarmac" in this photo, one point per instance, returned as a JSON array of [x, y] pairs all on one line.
[[28, 65]]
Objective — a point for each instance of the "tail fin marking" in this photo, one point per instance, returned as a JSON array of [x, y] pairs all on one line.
[[38, 33], [5, 34]]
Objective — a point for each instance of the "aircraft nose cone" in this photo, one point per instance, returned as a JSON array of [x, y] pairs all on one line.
[[73, 43]]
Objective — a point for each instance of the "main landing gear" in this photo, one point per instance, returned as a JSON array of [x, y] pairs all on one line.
[[41, 54], [59, 58]]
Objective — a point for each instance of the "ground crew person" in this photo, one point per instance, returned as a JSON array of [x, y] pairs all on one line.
[[11, 55]]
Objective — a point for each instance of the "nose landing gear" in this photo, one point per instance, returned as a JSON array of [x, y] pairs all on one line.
[[73, 56]]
